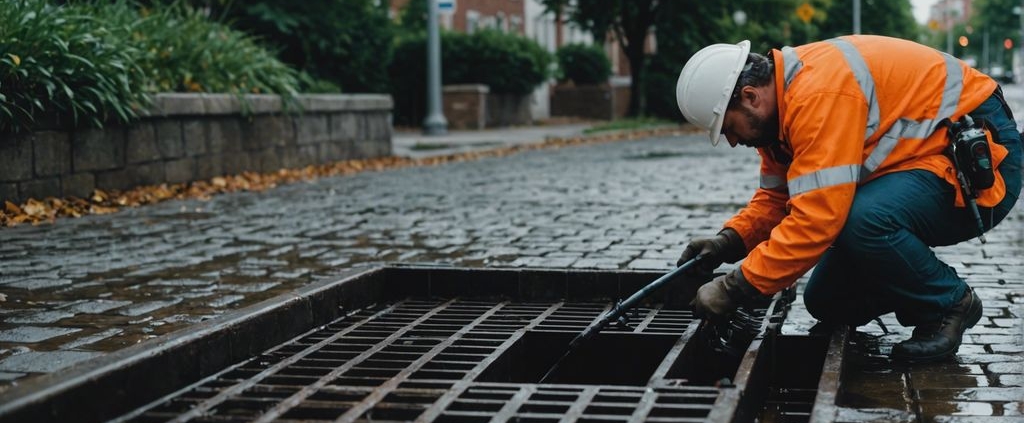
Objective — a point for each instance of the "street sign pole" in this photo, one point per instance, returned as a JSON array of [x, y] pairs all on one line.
[[856, 16], [435, 123]]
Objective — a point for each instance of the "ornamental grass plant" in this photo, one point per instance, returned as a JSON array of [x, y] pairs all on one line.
[[62, 65], [95, 62]]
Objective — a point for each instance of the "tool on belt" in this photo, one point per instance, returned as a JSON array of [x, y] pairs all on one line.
[[972, 162], [618, 314]]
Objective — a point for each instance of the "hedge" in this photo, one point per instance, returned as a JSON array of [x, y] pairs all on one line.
[[507, 63], [583, 64]]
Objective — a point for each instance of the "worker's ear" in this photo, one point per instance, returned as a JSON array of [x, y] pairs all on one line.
[[751, 96]]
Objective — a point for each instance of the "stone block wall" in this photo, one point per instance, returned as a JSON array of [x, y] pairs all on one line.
[[465, 106], [508, 110], [603, 102], [189, 137]]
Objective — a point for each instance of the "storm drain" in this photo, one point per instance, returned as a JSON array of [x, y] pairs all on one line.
[[460, 361]]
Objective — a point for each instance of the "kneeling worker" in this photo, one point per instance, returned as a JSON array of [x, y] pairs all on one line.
[[856, 179]]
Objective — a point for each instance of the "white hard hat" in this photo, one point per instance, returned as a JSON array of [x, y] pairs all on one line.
[[706, 83]]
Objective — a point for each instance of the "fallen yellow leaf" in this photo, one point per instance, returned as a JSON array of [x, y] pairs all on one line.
[[12, 208], [35, 208]]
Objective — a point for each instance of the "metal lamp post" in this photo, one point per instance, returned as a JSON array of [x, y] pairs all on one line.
[[856, 16], [434, 123]]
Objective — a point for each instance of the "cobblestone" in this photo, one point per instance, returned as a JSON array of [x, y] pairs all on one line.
[[86, 286]]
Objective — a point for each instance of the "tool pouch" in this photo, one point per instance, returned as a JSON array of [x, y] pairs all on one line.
[[971, 154]]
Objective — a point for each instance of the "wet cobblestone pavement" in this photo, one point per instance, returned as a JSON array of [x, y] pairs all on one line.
[[82, 287]]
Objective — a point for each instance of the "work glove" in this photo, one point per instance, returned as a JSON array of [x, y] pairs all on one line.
[[726, 247], [718, 298]]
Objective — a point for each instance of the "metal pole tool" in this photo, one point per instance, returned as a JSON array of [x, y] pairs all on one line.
[[618, 313]]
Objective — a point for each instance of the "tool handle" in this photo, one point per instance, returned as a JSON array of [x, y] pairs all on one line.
[[632, 301]]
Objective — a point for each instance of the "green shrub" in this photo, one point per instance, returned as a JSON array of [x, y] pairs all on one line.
[[64, 65], [345, 42], [506, 63], [99, 61], [583, 64], [184, 51]]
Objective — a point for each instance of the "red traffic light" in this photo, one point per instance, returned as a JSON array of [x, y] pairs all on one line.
[[1007, 43]]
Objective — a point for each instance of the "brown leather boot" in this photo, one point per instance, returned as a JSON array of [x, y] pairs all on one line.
[[939, 340]]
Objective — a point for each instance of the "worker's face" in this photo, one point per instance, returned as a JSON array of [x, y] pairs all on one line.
[[744, 125]]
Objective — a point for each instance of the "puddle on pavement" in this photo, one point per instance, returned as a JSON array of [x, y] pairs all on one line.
[[931, 410], [654, 155]]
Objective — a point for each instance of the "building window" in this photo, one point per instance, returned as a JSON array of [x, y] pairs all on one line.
[[472, 21]]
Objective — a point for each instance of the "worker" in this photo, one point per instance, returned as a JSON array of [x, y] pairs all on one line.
[[854, 180]]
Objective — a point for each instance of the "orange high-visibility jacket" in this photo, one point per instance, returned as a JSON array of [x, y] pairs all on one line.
[[850, 110]]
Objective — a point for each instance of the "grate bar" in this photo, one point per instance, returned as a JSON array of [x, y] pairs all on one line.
[[651, 313], [226, 394], [312, 388], [647, 402], [272, 370], [386, 387], [435, 410], [509, 409], [672, 356], [582, 401]]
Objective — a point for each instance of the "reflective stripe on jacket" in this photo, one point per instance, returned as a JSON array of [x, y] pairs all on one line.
[[850, 110]]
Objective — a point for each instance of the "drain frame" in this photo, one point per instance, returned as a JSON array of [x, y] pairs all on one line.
[[115, 384]]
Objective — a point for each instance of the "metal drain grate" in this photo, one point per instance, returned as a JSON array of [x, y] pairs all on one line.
[[421, 359]]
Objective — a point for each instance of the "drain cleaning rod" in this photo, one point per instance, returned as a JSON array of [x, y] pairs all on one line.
[[617, 313]]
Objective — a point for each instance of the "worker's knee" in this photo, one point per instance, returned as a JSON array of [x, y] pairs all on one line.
[[866, 229], [819, 304]]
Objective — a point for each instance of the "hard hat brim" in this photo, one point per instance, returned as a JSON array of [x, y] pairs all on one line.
[[715, 132]]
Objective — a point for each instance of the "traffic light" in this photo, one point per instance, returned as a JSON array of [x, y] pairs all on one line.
[[1008, 44], [963, 41]]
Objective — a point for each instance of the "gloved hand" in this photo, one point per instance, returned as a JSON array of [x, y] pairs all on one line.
[[726, 247], [716, 299]]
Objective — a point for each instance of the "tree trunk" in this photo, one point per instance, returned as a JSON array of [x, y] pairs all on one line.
[[637, 91]]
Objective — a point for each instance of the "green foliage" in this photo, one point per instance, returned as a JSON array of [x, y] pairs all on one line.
[[413, 17], [583, 64], [183, 51], [64, 65], [630, 22], [995, 18], [345, 42], [507, 63], [683, 29], [94, 62], [893, 18]]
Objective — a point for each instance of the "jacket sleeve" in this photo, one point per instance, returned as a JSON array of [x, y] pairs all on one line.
[[766, 209], [826, 131]]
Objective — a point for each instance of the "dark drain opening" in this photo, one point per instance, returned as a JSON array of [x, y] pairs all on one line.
[[795, 371], [606, 359]]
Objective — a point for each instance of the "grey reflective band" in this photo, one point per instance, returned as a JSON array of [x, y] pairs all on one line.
[[902, 128], [769, 181], [885, 146], [867, 83], [824, 178], [792, 65], [907, 128]]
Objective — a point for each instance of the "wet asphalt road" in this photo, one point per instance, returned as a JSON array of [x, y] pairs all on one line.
[[81, 287]]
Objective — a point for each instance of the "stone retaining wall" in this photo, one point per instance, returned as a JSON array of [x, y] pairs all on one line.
[[465, 106], [189, 137], [603, 102]]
